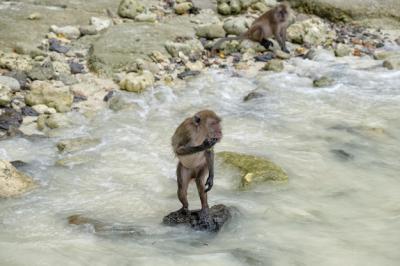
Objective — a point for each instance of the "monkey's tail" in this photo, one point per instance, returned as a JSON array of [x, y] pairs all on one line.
[[220, 41]]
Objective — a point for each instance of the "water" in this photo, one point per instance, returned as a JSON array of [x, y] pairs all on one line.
[[339, 146]]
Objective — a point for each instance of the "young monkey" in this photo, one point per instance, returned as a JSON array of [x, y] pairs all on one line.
[[192, 143], [272, 23]]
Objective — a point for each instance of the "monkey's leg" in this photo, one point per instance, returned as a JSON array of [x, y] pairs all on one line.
[[266, 43], [281, 38], [200, 178], [210, 162], [183, 178]]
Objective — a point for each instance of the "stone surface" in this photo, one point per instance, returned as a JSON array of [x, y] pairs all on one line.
[[237, 25], [52, 121], [253, 169], [275, 65], [219, 215], [41, 71], [137, 82], [323, 81], [76, 144], [313, 31], [46, 93], [12, 181], [342, 50], [183, 8], [130, 8], [191, 48], [69, 32], [10, 118], [210, 31], [10, 82]]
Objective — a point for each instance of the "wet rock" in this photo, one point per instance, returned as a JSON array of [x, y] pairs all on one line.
[[43, 109], [183, 8], [313, 31], [29, 128], [188, 73], [5, 95], [382, 55], [210, 31], [191, 48], [10, 118], [12, 181], [253, 169], [119, 102], [55, 46], [342, 50], [342, 154], [320, 55], [52, 121], [41, 71], [76, 144], [35, 16], [20, 76], [275, 65], [130, 8], [392, 62], [101, 227], [29, 111], [69, 32], [17, 103], [281, 54], [10, 82], [18, 164], [88, 30], [70, 161], [100, 23], [219, 215], [237, 25], [42, 92], [146, 17], [76, 68], [79, 98], [108, 96], [137, 82], [253, 95], [323, 81]]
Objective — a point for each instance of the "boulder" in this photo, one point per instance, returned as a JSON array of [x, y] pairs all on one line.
[[210, 31], [237, 25], [43, 92], [183, 8], [12, 181], [253, 169], [218, 214], [342, 50], [52, 121], [275, 65], [191, 48], [10, 82], [76, 144], [41, 71], [130, 8], [137, 82], [313, 31]]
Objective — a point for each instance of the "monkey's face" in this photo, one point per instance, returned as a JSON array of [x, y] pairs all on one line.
[[208, 124], [282, 13], [214, 128]]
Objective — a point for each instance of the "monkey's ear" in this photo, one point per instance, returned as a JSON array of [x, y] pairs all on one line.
[[196, 119]]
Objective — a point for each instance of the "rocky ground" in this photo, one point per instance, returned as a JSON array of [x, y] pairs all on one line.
[[60, 58]]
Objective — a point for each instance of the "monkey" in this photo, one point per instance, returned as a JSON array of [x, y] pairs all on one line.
[[273, 22], [193, 143]]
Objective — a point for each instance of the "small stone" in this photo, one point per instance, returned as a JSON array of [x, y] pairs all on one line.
[[323, 82], [264, 57], [275, 65], [10, 82], [191, 48], [5, 95], [235, 6], [158, 57], [76, 68], [69, 32], [108, 96], [342, 50], [20, 76], [183, 8], [392, 63], [146, 17], [135, 82], [100, 23], [43, 109], [28, 111], [76, 144], [237, 25], [53, 121], [12, 181], [88, 30], [55, 45], [35, 16], [281, 54], [10, 118], [382, 55], [253, 95], [130, 8], [262, 7], [41, 71], [210, 31], [188, 73]]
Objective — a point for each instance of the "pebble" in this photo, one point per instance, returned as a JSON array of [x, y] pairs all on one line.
[[55, 46], [28, 111], [188, 73], [76, 68]]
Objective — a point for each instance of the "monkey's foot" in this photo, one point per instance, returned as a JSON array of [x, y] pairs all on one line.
[[286, 50]]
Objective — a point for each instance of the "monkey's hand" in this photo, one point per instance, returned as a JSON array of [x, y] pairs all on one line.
[[209, 143], [209, 184]]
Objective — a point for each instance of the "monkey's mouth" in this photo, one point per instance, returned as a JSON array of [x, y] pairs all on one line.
[[217, 136]]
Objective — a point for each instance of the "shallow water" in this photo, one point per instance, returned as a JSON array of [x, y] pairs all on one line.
[[336, 209]]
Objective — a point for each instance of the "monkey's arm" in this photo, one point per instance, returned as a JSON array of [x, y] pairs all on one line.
[[281, 38], [210, 163], [186, 150]]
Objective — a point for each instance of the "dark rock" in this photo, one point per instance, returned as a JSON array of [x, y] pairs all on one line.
[[108, 96], [79, 98], [219, 214], [342, 154], [55, 46], [76, 68], [264, 57], [10, 119], [20, 76], [188, 73], [18, 164], [28, 111], [253, 95]]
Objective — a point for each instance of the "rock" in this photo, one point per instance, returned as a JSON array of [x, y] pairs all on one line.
[[146, 17], [188, 73], [264, 57], [183, 8], [342, 50], [323, 81], [88, 30], [43, 92], [342, 154], [119, 102], [130, 8], [320, 55], [29, 111], [281, 54], [43, 109], [392, 62], [28, 128], [253, 169], [191, 48], [55, 46], [52, 121], [260, 6], [76, 68], [313, 31], [41, 71], [61, 68], [13, 182], [18, 164], [137, 82], [210, 31], [218, 214], [20, 76], [100, 23], [71, 161], [76, 144], [274, 65], [224, 9], [237, 25], [235, 6], [35, 16], [108, 96], [158, 57], [10, 82], [253, 95], [5, 95], [69, 32], [13, 61], [10, 118], [382, 55]]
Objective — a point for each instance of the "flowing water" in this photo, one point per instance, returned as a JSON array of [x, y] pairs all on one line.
[[339, 146]]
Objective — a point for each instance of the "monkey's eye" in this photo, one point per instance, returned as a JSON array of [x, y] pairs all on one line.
[[197, 119]]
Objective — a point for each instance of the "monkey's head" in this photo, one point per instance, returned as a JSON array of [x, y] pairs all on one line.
[[282, 12], [208, 123]]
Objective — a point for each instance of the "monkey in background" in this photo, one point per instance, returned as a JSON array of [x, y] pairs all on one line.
[[272, 23], [192, 143]]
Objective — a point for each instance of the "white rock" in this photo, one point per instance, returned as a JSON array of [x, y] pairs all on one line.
[[137, 82], [12, 181], [69, 32], [10, 82], [100, 23]]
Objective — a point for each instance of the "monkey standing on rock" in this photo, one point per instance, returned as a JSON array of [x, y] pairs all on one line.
[[272, 23], [192, 143]]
